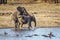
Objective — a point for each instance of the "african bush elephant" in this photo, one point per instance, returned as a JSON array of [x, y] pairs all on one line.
[[28, 20], [23, 18]]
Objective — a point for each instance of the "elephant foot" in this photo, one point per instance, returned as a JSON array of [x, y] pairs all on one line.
[[30, 28], [15, 29]]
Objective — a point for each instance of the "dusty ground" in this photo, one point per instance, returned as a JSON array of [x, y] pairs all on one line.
[[48, 15]]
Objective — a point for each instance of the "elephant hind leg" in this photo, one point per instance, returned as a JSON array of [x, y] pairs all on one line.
[[34, 20], [35, 23], [29, 27]]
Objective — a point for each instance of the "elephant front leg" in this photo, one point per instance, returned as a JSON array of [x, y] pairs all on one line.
[[29, 25], [18, 26], [21, 24]]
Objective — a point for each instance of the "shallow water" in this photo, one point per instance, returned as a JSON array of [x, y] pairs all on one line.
[[10, 34]]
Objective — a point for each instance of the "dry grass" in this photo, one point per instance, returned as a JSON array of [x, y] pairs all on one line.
[[47, 14]]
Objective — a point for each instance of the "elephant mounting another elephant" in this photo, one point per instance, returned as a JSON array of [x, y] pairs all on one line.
[[23, 17]]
